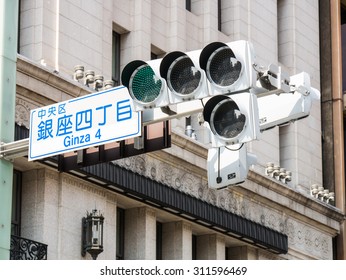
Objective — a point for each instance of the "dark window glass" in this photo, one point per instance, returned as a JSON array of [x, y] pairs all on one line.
[[188, 5], [16, 203], [219, 18], [194, 247], [120, 233], [158, 241], [116, 58]]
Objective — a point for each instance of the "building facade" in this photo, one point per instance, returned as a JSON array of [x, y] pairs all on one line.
[[158, 205]]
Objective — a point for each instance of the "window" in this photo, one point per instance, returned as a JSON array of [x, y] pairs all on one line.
[[16, 203], [116, 58], [19, 19], [188, 5], [158, 241], [120, 234], [194, 247], [219, 18], [153, 56]]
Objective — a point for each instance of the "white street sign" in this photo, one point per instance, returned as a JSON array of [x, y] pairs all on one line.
[[83, 122]]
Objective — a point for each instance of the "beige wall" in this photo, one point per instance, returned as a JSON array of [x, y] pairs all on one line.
[[53, 205]]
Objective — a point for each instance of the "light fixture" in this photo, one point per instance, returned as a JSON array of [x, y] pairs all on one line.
[[108, 84], [89, 77], [330, 198], [269, 169], [322, 194], [287, 177], [78, 72], [272, 170], [92, 234], [314, 190], [98, 82], [278, 173], [190, 132], [282, 173]]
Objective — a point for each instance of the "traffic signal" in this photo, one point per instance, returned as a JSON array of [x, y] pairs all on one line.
[[146, 87], [232, 119], [219, 68], [157, 83], [237, 99], [231, 113], [229, 67], [185, 79], [228, 166]]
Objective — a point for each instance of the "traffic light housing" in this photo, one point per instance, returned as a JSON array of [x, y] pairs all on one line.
[[229, 67], [232, 119], [228, 166], [173, 79], [219, 68], [185, 80], [287, 107], [146, 87], [237, 99]]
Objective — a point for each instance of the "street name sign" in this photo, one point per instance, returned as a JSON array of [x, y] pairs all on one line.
[[87, 121]]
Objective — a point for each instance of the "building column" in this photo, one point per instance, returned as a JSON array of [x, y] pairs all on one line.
[[176, 241], [137, 43], [210, 247], [140, 234]]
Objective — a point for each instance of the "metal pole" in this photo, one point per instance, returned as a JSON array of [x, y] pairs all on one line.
[[8, 59]]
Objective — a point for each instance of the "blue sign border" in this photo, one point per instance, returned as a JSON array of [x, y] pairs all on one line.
[[89, 144]]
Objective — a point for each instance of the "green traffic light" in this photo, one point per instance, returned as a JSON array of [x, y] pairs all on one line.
[[145, 86]]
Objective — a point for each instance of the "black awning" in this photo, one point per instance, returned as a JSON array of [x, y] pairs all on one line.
[[183, 203]]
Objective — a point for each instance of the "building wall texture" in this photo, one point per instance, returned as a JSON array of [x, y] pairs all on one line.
[[57, 35]]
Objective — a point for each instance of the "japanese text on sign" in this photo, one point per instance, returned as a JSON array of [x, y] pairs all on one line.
[[86, 121]]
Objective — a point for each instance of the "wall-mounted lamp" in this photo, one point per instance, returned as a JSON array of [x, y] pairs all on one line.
[[322, 194], [287, 177], [278, 173], [189, 131], [98, 82], [92, 234], [78, 72], [331, 198], [89, 77], [108, 84]]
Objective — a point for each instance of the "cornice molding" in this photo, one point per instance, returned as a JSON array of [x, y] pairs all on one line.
[[296, 196], [48, 77]]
